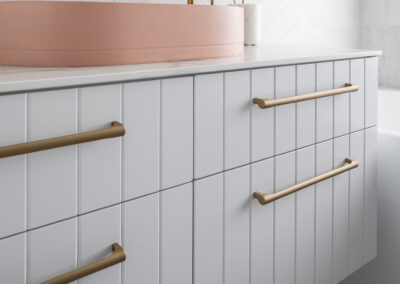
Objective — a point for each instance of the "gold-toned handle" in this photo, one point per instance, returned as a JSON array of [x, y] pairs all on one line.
[[117, 256], [190, 2], [266, 103], [267, 198], [117, 129]]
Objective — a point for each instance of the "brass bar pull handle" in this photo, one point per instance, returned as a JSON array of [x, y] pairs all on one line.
[[117, 129], [267, 198], [117, 256], [191, 2], [266, 103]]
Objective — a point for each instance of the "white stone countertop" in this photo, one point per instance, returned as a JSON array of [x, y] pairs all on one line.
[[26, 79]]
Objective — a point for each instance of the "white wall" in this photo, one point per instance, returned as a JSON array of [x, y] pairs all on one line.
[[380, 27], [330, 23]]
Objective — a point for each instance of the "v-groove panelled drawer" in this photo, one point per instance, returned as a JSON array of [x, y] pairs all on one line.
[[47, 186], [155, 233], [265, 175], [214, 231], [319, 234], [231, 131]]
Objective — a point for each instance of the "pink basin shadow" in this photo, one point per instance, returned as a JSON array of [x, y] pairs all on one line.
[[58, 34]]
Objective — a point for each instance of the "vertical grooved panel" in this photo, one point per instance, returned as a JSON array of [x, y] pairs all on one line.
[[262, 224], [52, 173], [141, 240], [51, 251], [237, 191], [285, 115], [99, 161], [340, 211], [237, 119], [305, 115], [357, 98], [305, 217], [341, 102], [12, 169], [12, 260], [208, 124], [324, 106], [208, 230], [97, 232], [323, 214], [141, 161], [356, 213], [176, 131], [262, 120], [285, 214], [176, 235]]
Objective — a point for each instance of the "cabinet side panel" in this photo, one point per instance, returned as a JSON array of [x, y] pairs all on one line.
[[371, 91], [370, 205]]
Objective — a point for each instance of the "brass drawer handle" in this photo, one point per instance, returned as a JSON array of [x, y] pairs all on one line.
[[266, 103], [117, 256], [267, 198], [117, 129], [191, 2]]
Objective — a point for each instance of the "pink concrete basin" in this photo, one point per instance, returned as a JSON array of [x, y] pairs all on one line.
[[57, 34]]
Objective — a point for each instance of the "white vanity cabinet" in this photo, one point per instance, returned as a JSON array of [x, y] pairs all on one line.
[[174, 192]]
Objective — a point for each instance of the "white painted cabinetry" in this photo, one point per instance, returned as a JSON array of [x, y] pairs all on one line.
[[176, 191]]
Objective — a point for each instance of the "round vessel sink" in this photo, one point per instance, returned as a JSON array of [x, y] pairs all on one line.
[[61, 34]]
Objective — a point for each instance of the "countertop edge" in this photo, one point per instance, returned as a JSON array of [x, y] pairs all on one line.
[[33, 85]]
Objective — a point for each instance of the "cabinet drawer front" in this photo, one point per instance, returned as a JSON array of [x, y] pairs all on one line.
[[51, 185], [154, 231], [176, 131], [141, 143], [208, 124], [99, 161], [12, 169], [52, 175], [237, 119], [279, 127], [317, 230], [338, 109], [221, 228]]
